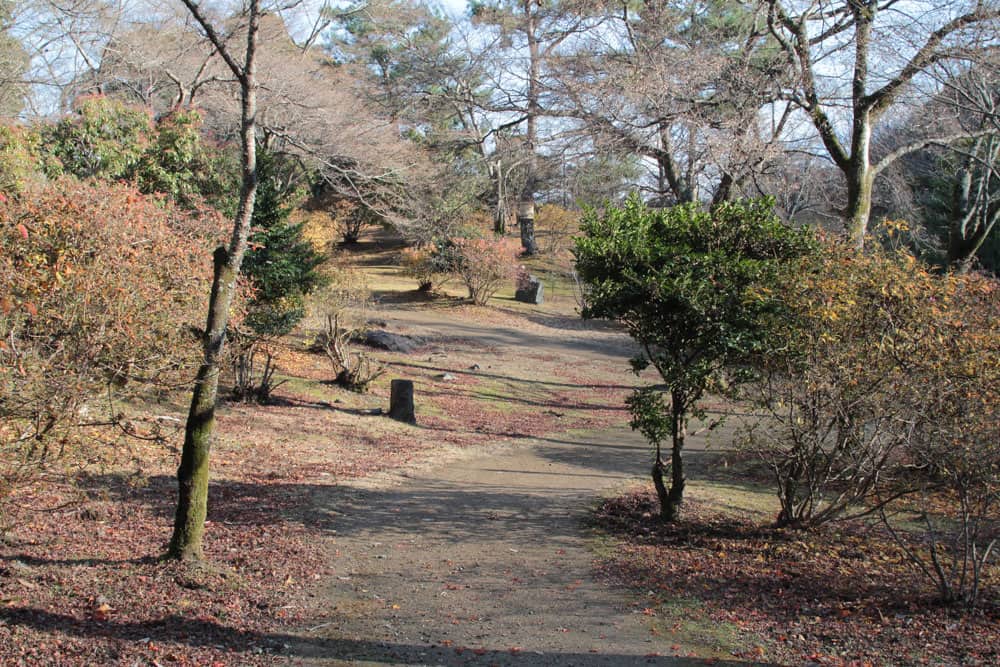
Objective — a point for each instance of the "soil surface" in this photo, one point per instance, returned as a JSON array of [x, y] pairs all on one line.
[[487, 561], [486, 557]]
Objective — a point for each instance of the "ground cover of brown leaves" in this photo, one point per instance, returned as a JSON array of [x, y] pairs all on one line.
[[840, 596], [81, 582]]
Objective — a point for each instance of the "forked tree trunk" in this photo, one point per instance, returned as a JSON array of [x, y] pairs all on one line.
[[192, 474]]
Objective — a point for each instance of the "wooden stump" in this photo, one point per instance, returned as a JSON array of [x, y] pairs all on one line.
[[401, 401]]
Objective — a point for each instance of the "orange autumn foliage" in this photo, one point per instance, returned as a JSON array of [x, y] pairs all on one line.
[[101, 288]]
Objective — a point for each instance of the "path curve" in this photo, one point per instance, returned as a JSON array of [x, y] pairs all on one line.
[[486, 561]]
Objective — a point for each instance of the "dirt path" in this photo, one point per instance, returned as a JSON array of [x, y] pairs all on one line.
[[486, 561]]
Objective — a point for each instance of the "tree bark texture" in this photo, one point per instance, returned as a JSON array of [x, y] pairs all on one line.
[[671, 499], [526, 205], [192, 473], [677, 481]]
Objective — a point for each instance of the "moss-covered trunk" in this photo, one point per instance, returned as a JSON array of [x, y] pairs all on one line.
[[192, 473]]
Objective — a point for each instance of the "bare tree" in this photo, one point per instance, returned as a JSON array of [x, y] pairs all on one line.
[[540, 31], [162, 64], [192, 474], [972, 98], [949, 193], [856, 60], [683, 85], [13, 64], [309, 108]]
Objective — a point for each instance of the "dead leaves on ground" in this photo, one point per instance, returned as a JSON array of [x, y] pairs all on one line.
[[843, 596]]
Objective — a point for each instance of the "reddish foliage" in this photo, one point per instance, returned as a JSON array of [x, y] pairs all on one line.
[[102, 286]]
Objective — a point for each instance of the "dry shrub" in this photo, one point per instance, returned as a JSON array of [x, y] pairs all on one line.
[[102, 289], [320, 229], [418, 263], [555, 226], [484, 264], [343, 307], [885, 400]]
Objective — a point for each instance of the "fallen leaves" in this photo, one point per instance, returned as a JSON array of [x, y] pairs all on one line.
[[266, 540], [841, 597], [99, 595]]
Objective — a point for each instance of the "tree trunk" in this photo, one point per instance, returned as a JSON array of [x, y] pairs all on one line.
[[859, 201], [972, 216], [526, 223], [666, 511], [192, 474], [859, 172], [670, 179], [401, 401], [678, 432], [526, 204], [500, 205]]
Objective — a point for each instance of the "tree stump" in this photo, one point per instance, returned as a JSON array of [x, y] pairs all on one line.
[[401, 401]]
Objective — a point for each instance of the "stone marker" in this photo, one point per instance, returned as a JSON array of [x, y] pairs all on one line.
[[401, 401], [530, 291]]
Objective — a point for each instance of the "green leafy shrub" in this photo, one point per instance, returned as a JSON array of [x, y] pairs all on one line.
[[103, 138], [22, 159], [697, 291]]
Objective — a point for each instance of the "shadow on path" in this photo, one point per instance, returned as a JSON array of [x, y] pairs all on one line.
[[193, 632]]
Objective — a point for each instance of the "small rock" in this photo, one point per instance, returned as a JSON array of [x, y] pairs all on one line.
[[445, 377], [383, 340], [19, 566]]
